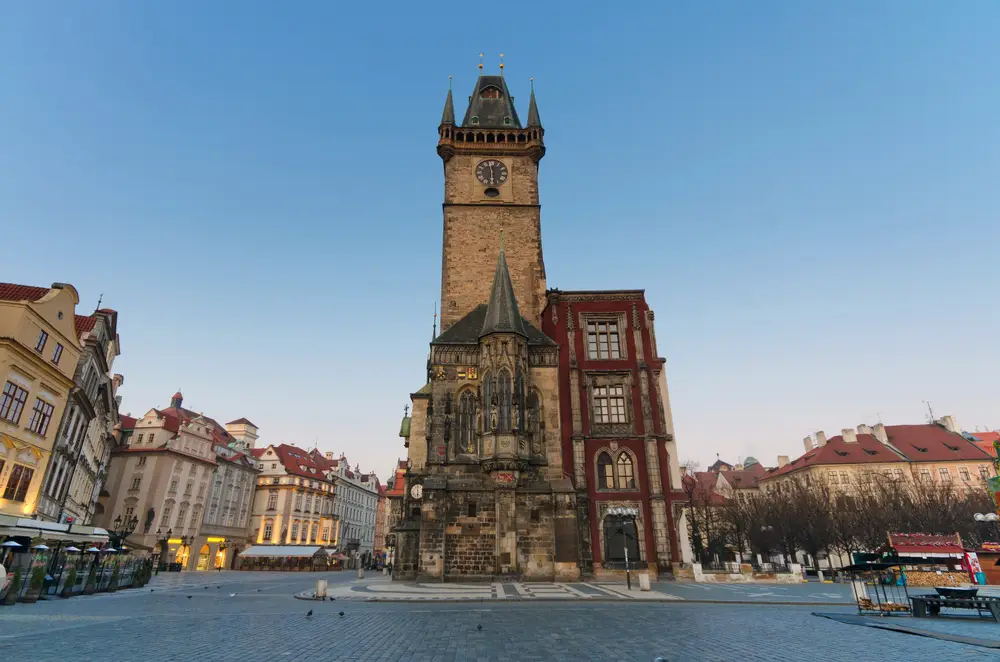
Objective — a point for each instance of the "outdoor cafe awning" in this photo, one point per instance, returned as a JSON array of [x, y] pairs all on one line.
[[13, 527], [283, 551]]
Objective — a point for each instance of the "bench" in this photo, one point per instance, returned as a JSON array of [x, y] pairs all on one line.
[[931, 605]]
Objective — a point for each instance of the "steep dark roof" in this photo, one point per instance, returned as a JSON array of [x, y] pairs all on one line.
[[533, 119], [491, 111], [466, 331], [448, 116], [502, 315]]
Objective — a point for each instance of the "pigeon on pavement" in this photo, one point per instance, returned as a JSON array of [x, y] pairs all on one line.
[[309, 614]]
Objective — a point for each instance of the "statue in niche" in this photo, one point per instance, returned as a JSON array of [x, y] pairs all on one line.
[[516, 416], [494, 416]]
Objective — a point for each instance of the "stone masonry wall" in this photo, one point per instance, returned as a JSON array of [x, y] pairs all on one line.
[[470, 541]]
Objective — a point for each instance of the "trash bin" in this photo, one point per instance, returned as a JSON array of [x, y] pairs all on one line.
[[321, 588], [644, 581]]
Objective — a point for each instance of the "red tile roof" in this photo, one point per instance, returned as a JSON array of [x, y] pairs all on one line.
[[701, 488], [127, 422], [257, 452], [985, 441], [929, 442], [745, 478], [299, 462], [85, 323], [14, 292]]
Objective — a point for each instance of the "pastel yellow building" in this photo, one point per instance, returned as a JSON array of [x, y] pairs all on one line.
[[39, 350]]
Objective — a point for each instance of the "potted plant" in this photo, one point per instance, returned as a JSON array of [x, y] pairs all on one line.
[[90, 586], [113, 583], [35, 582], [10, 597], [70, 584]]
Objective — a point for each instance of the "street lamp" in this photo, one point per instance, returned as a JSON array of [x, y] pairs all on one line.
[[161, 540], [992, 518], [121, 529], [624, 514]]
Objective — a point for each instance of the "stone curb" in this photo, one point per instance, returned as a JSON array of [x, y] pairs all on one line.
[[601, 599]]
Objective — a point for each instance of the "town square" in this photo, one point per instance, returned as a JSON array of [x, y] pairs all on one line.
[[261, 400]]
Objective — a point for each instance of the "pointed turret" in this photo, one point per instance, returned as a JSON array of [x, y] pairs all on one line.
[[491, 105], [448, 116], [502, 315], [533, 119]]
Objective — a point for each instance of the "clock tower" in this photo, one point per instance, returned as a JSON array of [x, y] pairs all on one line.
[[490, 186]]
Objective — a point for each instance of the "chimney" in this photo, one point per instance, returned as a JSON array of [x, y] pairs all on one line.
[[821, 438], [329, 455], [948, 423], [864, 429], [849, 435], [782, 460], [738, 467], [879, 433], [808, 443]]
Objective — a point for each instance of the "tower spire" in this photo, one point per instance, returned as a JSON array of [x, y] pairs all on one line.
[[502, 315], [448, 115], [533, 119]]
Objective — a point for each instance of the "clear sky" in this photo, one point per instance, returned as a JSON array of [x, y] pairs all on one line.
[[808, 192]]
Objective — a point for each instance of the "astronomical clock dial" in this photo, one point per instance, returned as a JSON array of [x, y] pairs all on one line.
[[491, 172], [417, 491]]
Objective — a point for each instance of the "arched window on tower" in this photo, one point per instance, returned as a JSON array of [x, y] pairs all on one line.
[[626, 472], [504, 395], [466, 422], [605, 472]]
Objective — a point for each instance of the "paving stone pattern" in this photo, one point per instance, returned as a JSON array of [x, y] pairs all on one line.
[[269, 624]]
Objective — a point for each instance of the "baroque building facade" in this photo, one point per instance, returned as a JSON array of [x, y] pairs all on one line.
[[86, 434], [502, 437], [181, 473], [39, 354]]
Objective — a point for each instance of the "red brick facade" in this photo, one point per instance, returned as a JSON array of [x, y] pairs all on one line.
[[638, 426]]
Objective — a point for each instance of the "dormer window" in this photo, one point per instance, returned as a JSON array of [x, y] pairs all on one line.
[[507, 121], [475, 120], [491, 92]]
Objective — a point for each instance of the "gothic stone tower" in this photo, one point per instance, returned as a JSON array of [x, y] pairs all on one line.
[[490, 183], [486, 493]]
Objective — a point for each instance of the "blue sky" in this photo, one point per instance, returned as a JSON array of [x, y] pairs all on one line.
[[807, 192]]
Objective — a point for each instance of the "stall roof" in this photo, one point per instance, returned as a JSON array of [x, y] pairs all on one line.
[[283, 551], [53, 531], [923, 544]]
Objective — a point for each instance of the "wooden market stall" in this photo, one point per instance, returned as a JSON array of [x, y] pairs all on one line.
[[926, 559]]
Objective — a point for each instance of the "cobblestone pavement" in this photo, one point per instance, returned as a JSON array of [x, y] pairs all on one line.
[[269, 624], [383, 589], [805, 592]]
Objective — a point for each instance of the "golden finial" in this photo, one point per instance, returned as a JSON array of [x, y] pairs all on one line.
[[480, 63], [501, 64], [449, 82]]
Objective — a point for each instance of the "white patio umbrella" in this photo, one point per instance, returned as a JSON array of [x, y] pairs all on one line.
[[42, 547], [91, 549], [72, 549], [109, 549], [11, 543]]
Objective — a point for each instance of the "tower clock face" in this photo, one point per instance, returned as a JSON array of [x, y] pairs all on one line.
[[491, 172]]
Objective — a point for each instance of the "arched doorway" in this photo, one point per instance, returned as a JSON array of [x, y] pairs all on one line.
[[203, 557], [620, 535], [182, 555], [220, 557]]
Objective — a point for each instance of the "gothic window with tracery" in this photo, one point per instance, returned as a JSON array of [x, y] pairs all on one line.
[[605, 473], [626, 472], [504, 395], [466, 422]]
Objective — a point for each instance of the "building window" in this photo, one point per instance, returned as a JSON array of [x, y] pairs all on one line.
[[626, 472], [475, 120], [925, 475], [268, 530], [136, 481], [138, 439], [40, 417], [165, 517], [17, 483], [173, 485], [42, 339], [298, 501], [466, 422], [272, 501], [504, 396], [12, 402], [834, 478], [274, 465], [141, 462], [609, 404], [602, 340], [471, 509], [295, 531], [620, 533], [129, 511], [181, 513], [57, 354], [945, 474], [897, 474], [984, 471], [605, 475], [963, 473]]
